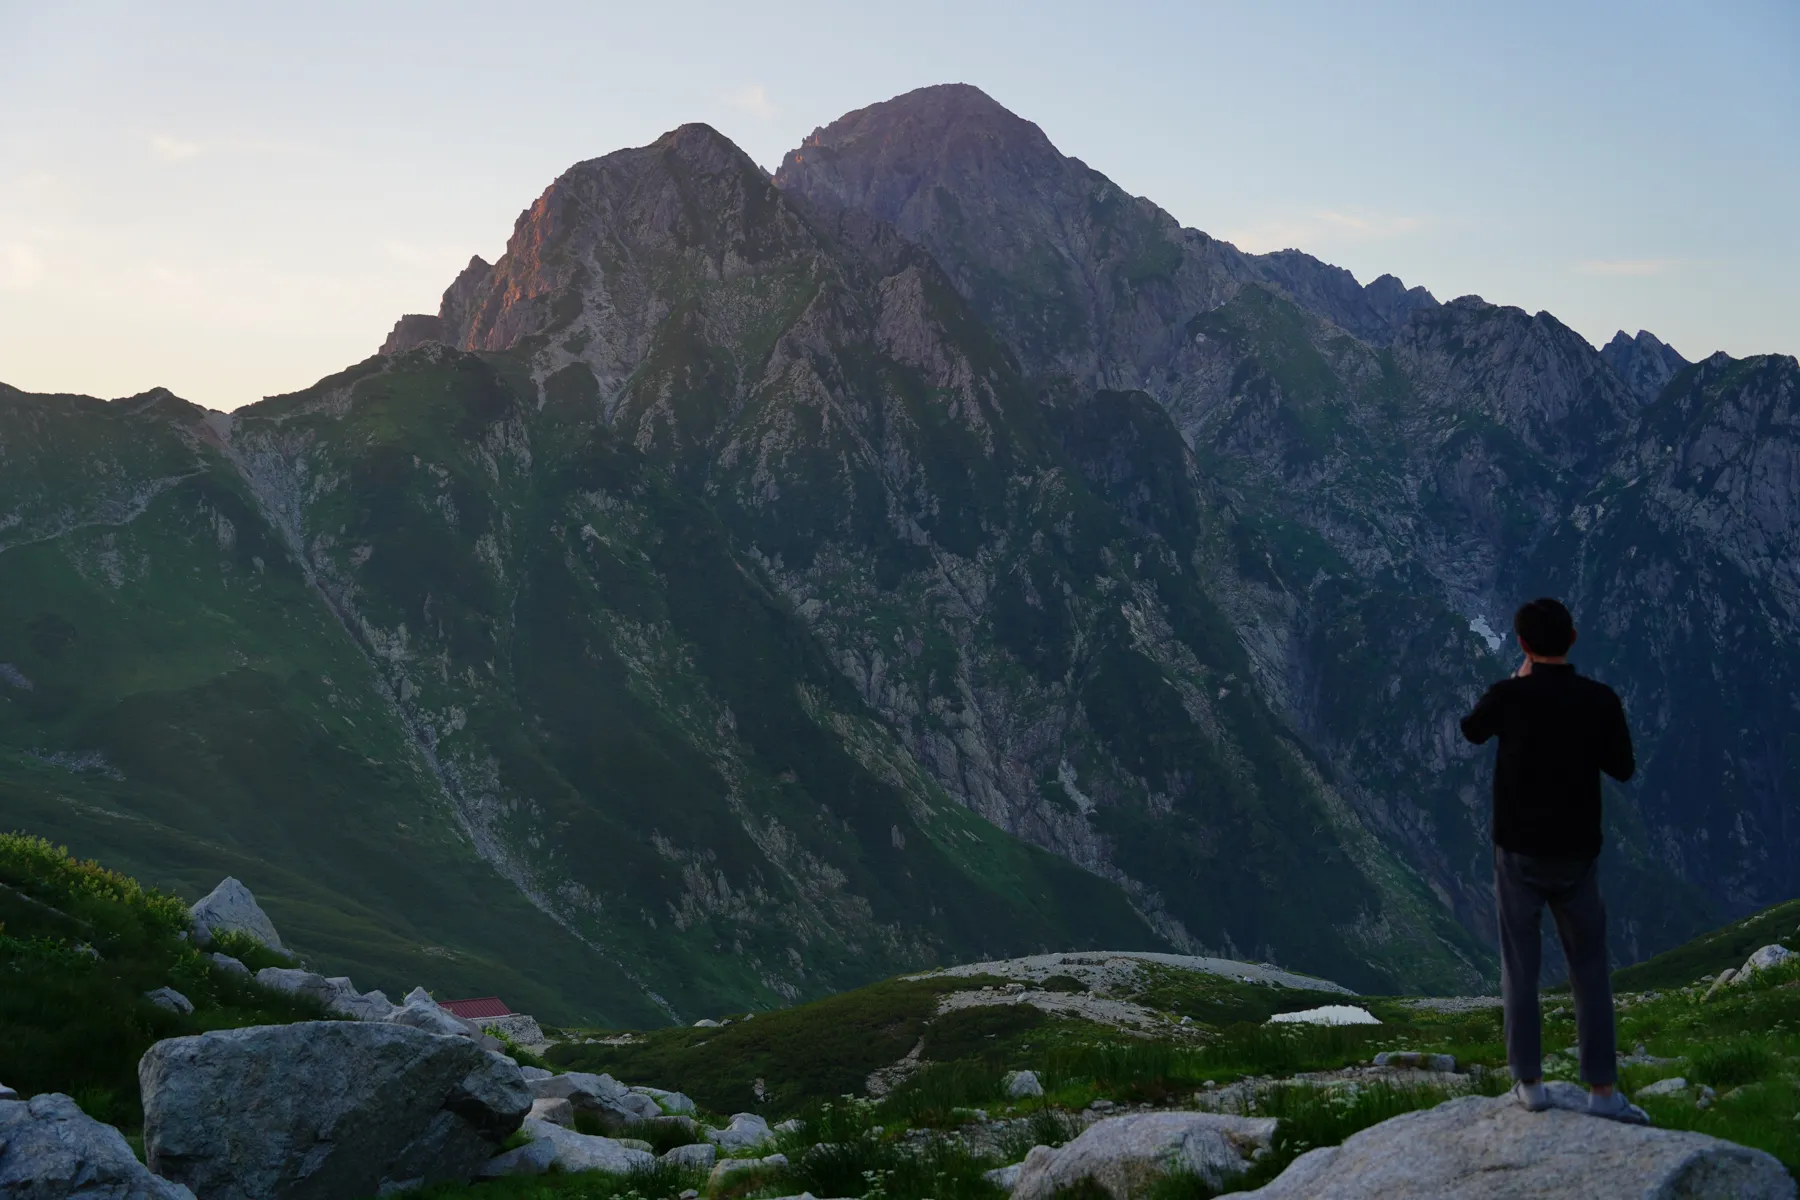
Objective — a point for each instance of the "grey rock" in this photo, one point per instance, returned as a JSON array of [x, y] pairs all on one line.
[[420, 1011], [324, 1109], [294, 981], [696, 1155], [228, 964], [169, 998], [1006, 1178], [555, 1110], [338, 995], [365, 1006], [706, 1023], [671, 1102], [231, 908], [725, 1168], [1664, 1087], [51, 1150], [519, 1027], [1721, 983], [533, 1158], [1416, 1060], [1124, 1155], [7, 1093], [601, 1094], [1773, 955], [746, 1132], [533, 1074], [565, 1150], [1482, 1148], [1020, 1084]]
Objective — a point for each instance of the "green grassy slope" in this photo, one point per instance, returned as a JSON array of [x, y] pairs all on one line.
[[631, 719], [184, 706], [1710, 953]]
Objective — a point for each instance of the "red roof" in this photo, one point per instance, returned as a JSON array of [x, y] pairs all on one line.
[[481, 1006]]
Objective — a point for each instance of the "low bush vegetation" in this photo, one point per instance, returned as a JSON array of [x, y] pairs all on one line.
[[79, 948]]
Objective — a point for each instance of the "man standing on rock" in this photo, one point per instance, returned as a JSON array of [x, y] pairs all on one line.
[[1558, 731]]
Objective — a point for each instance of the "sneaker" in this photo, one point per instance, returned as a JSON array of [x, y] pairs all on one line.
[[1615, 1107], [1531, 1096]]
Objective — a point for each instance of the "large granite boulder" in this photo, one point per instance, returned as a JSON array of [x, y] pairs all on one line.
[[553, 1146], [51, 1150], [1124, 1155], [1481, 1148], [231, 908], [322, 1110]]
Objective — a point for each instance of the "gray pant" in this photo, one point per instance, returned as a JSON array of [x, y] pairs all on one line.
[[1523, 885]]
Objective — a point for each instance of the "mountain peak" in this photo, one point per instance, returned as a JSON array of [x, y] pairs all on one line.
[[1646, 363], [884, 154], [599, 225]]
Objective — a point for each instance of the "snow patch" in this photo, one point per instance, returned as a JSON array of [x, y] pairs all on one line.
[[1330, 1014], [1065, 775], [1481, 629]]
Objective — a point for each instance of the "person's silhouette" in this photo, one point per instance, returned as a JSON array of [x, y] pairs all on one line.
[[1558, 731]]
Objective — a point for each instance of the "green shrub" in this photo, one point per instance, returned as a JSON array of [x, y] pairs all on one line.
[[79, 948], [932, 1096], [248, 950], [981, 1031], [804, 1055], [664, 1134]]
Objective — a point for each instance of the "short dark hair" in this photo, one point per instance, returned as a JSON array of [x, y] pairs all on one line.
[[1545, 627]]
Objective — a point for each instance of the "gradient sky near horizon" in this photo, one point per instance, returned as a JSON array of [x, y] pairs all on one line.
[[233, 200]]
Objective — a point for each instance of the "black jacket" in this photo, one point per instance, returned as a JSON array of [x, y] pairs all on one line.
[[1558, 730]]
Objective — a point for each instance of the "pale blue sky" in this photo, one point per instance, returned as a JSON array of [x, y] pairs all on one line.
[[234, 200]]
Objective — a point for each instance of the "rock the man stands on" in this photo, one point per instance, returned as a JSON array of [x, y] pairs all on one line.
[[1558, 731]]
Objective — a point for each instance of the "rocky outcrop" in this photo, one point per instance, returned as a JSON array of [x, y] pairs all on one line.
[[1124, 1155], [412, 331], [51, 1150], [231, 908], [1482, 1148], [324, 1109]]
